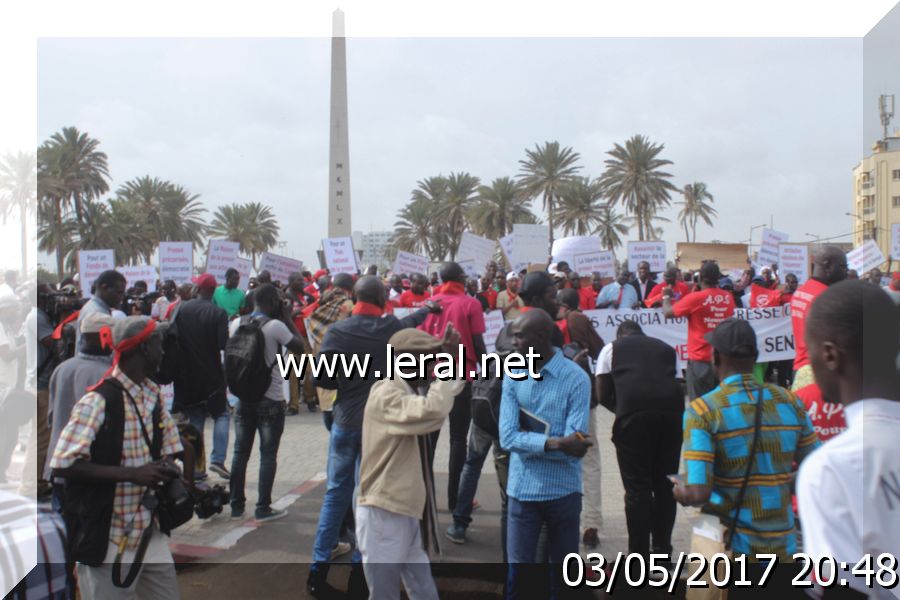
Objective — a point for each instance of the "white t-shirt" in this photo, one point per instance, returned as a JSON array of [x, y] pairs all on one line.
[[604, 361], [277, 335], [849, 491]]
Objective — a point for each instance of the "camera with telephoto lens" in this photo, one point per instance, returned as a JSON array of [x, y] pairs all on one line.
[[175, 503], [144, 302], [208, 501]]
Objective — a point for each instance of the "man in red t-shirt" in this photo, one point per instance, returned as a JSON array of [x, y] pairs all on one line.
[[829, 267], [465, 313], [417, 293], [704, 310], [670, 280]]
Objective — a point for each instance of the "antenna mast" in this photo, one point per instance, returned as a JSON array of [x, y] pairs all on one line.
[[886, 109]]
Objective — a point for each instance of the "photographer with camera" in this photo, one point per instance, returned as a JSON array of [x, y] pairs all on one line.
[[122, 492], [108, 292]]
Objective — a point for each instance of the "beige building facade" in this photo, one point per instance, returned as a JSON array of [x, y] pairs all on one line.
[[876, 194]]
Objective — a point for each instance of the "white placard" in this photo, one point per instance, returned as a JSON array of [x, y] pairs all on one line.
[[244, 266], [768, 249], [339, 255], [530, 243], [793, 258], [176, 261], [90, 264], [221, 257], [145, 273], [653, 252], [603, 262], [895, 241], [409, 263], [493, 323], [865, 258], [468, 267], [568, 247], [279, 266], [477, 248], [506, 244]]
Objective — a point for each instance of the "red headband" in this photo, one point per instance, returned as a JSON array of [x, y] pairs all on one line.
[[106, 341]]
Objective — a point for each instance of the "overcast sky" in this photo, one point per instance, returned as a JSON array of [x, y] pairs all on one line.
[[772, 126]]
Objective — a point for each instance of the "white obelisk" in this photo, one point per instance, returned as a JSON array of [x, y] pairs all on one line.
[[339, 151]]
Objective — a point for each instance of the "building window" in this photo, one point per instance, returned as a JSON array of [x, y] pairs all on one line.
[[896, 174], [895, 201]]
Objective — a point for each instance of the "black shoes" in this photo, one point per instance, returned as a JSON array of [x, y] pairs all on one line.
[[318, 586], [357, 588]]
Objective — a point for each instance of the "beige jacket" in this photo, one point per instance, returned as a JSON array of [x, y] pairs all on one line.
[[390, 470]]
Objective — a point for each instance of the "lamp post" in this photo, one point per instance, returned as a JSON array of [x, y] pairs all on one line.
[[812, 235]]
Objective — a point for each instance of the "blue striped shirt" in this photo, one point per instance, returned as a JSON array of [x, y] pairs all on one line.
[[562, 398]]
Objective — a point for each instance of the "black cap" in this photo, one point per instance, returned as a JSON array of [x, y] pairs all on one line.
[[710, 271], [733, 337]]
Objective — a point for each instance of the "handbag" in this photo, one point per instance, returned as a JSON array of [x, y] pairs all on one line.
[[718, 538]]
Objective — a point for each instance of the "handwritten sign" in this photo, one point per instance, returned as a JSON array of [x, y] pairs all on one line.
[[793, 258], [280, 267], [145, 273], [477, 248], [339, 255], [90, 264], [768, 249], [506, 245], [409, 263], [468, 267], [565, 249], [176, 261], [895, 241], [653, 252], [603, 262], [221, 256], [865, 258], [493, 323], [243, 266], [530, 243]]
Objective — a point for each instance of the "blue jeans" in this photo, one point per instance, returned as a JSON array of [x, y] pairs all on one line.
[[267, 417], [344, 448], [562, 519], [197, 416]]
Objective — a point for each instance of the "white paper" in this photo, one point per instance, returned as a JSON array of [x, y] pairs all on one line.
[[493, 323], [653, 252], [243, 266], [603, 262], [221, 257], [865, 258], [566, 248], [768, 249], [339, 255], [409, 263], [476, 248], [91, 263], [506, 244], [468, 267], [145, 273], [793, 258], [176, 261], [279, 266], [530, 243]]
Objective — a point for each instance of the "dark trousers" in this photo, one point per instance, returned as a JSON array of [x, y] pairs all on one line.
[[460, 419], [266, 417], [648, 445], [700, 378]]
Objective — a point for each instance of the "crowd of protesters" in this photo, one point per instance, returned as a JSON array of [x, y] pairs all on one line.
[[102, 435]]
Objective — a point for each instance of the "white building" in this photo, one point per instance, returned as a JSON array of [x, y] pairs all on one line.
[[374, 246]]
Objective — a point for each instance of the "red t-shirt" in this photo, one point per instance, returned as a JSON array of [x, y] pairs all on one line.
[[410, 300], [704, 310], [800, 303], [680, 288], [761, 297], [465, 313], [588, 298], [490, 295]]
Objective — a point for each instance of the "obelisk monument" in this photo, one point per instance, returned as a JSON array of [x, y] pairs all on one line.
[[339, 147]]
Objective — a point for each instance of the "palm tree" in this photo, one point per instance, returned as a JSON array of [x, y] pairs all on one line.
[[18, 178], [265, 229], [431, 193], [183, 217], [695, 208], [498, 207], [70, 170], [633, 177], [146, 194], [455, 205], [412, 230], [581, 206], [611, 227], [544, 172], [252, 226]]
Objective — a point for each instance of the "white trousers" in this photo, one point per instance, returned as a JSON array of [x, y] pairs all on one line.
[[391, 548], [591, 477], [156, 580]]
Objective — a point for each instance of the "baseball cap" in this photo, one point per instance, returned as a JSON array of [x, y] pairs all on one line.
[[207, 280], [512, 275], [130, 327], [733, 337], [726, 283], [94, 322]]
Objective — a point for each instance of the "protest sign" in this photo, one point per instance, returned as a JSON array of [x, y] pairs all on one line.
[[279, 266], [653, 252], [409, 263], [145, 273], [772, 325], [476, 248], [90, 264], [493, 323], [339, 255], [793, 258], [728, 256], [506, 244], [243, 266], [468, 267], [895, 241], [865, 258], [221, 257], [530, 243], [768, 248], [566, 248], [176, 261], [603, 262]]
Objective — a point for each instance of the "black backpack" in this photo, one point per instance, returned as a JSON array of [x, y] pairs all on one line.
[[246, 370]]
